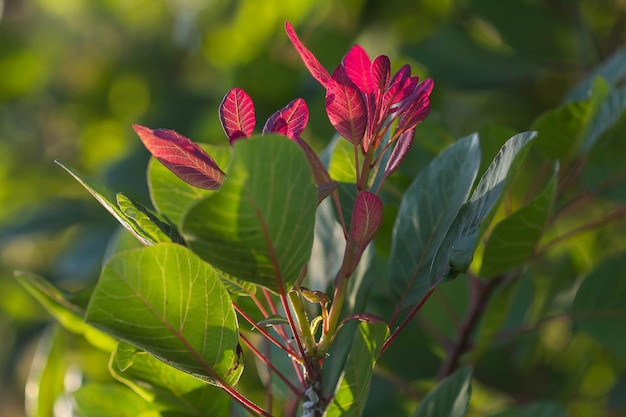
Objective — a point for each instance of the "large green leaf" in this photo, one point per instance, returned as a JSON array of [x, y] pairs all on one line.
[[60, 306], [166, 301], [456, 251], [162, 384], [427, 209], [259, 226], [353, 388], [514, 239], [599, 308], [450, 398]]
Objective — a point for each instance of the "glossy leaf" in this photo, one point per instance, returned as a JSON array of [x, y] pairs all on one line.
[[259, 226], [366, 218], [345, 107], [166, 301], [456, 251], [107, 199], [427, 209], [450, 398], [183, 157], [292, 119], [237, 115], [353, 388], [313, 65], [599, 308], [59, 305], [513, 240]]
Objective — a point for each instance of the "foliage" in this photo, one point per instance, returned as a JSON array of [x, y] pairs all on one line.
[[404, 264]]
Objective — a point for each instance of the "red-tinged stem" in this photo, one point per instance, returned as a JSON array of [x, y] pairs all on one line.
[[266, 360], [287, 349], [356, 161], [481, 291], [294, 331], [259, 305], [407, 320]]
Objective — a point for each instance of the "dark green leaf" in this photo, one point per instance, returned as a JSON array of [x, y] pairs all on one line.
[[608, 114], [427, 209], [514, 239], [613, 70], [166, 301], [538, 409], [456, 251], [353, 389], [259, 226], [450, 398], [599, 308]]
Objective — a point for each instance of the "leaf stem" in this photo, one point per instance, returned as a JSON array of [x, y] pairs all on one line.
[[287, 349]]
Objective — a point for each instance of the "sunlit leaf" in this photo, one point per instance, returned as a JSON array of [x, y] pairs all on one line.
[[345, 107], [237, 115], [95, 400], [313, 65], [294, 117], [259, 226], [456, 251], [427, 209], [599, 308], [183, 157], [357, 66], [151, 228], [514, 239], [450, 398], [166, 301], [353, 388]]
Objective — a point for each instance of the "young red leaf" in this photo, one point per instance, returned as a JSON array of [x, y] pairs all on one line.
[[237, 115], [358, 66], [295, 116], [381, 70], [183, 157], [345, 107], [417, 112], [400, 90], [403, 143], [366, 218], [313, 65]]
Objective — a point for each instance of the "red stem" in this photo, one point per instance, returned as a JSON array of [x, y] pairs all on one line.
[[287, 349]]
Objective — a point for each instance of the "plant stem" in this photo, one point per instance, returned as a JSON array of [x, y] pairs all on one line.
[[261, 330]]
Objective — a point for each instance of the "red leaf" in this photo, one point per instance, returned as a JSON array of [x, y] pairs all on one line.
[[358, 68], [295, 116], [183, 157], [313, 65], [366, 218], [400, 90], [381, 69], [403, 143], [345, 107], [237, 115], [414, 114]]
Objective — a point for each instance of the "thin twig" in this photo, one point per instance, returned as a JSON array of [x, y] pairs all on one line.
[[286, 348]]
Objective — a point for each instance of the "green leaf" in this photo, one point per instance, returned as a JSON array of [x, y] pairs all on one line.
[[107, 199], [65, 311], [427, 209], [450, 398], [342, 167], [151, 228], [599, 308], [353, 388], [561, 130], [112, 400], [160, 383], [608, 114], [259, 226], [514, 239], [166, 301], [538, 409], [456, 251]]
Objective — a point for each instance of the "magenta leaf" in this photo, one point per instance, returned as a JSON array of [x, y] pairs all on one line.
[[400, 91], [358, 68], [366, 218], [417, 112], [183, 157], [237, 115], [400, 150], [345, 107], [313, 65], [381, 70], [294, 115]]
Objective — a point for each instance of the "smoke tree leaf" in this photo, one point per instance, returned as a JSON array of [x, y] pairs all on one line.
[[456, 251], [166, 301], [427, 209], [259, 226]]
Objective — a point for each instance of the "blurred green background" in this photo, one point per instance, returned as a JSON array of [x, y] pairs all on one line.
[[75, 74]]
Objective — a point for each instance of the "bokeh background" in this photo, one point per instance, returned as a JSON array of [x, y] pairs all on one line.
[[75, 74]]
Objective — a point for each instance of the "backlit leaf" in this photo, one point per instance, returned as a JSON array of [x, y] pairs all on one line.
[[259, 226], [313, 65], [357, 66], [237, 114], [183, 157], [166, 301], [366, 218], [345, 107], [294, 117]]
